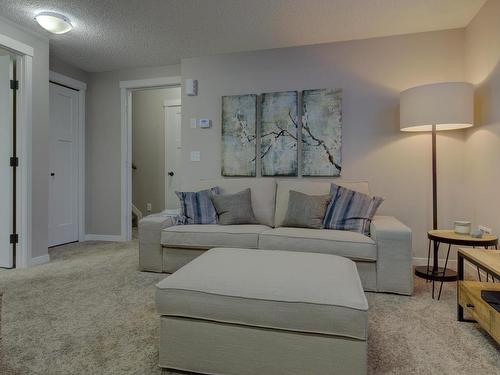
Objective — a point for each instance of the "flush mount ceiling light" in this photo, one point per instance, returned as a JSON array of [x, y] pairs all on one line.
[[54, 22]]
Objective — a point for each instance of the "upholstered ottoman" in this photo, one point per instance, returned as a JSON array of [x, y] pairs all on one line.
[[258, 312]]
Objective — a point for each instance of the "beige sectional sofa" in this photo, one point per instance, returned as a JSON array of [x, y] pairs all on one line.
[[383, 259]]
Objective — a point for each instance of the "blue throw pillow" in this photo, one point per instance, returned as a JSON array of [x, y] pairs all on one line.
[[350, 210], [197, 207]]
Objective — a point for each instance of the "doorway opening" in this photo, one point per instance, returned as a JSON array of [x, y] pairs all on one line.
[[151, 148], [16, 114]]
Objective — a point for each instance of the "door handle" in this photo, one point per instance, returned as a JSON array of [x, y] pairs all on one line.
[[170, 173], [52, 174]]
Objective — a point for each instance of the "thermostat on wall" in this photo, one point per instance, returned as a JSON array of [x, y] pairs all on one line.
[[204, 123]]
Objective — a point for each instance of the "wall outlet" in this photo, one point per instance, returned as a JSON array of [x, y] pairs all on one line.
[[149, 207], [195, 156], [484, 229], [194, 123]]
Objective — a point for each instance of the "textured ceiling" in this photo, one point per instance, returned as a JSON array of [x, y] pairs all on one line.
[[118, 34]]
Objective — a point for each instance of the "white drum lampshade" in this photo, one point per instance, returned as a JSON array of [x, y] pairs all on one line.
[[447, 105]]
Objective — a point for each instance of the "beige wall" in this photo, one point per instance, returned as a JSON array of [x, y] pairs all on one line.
[[40, 150], [103, 142], [61, 67], [482, 57], [372, 73], [148, 147]]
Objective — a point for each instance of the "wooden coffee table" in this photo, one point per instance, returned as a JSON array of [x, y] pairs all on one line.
[[449, 237], [469, 292]]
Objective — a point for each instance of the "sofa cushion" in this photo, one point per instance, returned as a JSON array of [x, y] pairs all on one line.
[[209, 236], [197, 207], [308, 187], [293, 291], [306, 211], [234, 209], [350, 210], [263, 192], [355, 246]]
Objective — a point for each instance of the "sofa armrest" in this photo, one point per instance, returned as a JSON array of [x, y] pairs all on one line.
[[150, 249], [394, 255]]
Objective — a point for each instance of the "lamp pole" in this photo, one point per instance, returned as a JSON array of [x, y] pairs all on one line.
[[434, 180]]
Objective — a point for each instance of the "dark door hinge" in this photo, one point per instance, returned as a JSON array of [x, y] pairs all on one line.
[[14, 161], [14, 238], [14, 84]]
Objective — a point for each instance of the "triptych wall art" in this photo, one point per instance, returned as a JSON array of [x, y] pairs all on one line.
[[239, 135], [317, 133], [279, 130]]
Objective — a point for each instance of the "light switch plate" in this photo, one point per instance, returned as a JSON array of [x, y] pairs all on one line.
[[194, 123], [195, 156], [204, 123]]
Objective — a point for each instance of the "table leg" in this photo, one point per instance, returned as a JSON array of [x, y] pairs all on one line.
[[460, 270], [444, 271], [478, 273], [428, 259], [435, 265]]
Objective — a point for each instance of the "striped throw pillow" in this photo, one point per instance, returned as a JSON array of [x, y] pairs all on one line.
[[350, 210], [197, 207]]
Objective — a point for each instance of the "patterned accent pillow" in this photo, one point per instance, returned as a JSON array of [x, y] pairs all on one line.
[[197, 207], [350, 210]]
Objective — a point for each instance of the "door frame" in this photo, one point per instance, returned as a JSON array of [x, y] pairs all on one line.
[[80, 143], [24, 124], [167, 104], [126, 89]]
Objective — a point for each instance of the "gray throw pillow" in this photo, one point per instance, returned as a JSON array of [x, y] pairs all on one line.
[[306, 211], [234, 208]]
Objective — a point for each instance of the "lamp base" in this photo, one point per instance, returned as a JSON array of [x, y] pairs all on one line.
[[436, 275]]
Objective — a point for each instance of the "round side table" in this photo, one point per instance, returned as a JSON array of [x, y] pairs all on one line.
[[437, 237]]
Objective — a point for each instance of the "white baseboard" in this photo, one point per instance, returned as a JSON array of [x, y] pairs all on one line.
[[40, 260], [103, 237]]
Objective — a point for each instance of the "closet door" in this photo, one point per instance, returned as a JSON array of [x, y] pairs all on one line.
[[6, 186], [63, 166]]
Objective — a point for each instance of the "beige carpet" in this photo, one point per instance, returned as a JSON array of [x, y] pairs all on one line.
[[90, 311]]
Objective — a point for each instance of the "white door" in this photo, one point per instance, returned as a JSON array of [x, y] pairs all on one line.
[[63, 166], [6, 111], [172, 153]]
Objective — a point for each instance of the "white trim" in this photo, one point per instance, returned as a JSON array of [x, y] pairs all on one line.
[[40, 260], [172, 103], [126, 88], [68, 81], [81, 87], [15, 46], [152, 82], [24, 71], [102, 237], [137, 212]]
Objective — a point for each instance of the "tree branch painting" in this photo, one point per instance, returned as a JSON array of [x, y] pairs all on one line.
[[239, 137], [322, 132], [279, 134]]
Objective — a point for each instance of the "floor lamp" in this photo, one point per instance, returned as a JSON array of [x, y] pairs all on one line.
[[432, 108]]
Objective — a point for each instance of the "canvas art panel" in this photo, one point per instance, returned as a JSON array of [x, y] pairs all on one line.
[[239, 138], [279, 134], [322, 132]]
